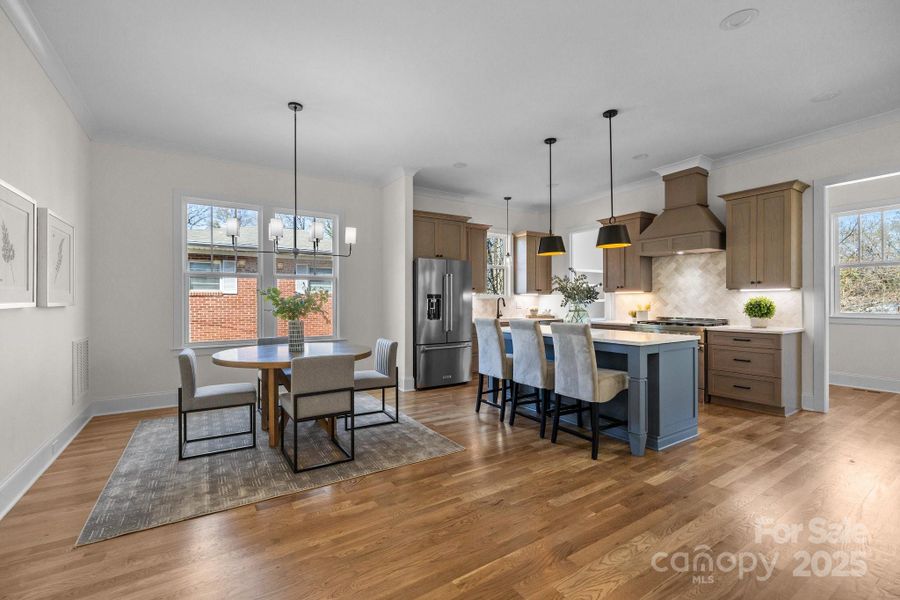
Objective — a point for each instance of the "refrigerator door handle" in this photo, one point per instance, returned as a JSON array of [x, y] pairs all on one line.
[[445, 291], [450, 315], [444, 347]]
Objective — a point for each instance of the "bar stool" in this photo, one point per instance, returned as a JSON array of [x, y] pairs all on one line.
[[578, 377], [493, 362], [530, 368]]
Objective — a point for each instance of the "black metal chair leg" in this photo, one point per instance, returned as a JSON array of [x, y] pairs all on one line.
[[595, 430], [496, 389], [542, 402], [555, 429], [515, 403], [503, 384], [578, 414], [480, 392]]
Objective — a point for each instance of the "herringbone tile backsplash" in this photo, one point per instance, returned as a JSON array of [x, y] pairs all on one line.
[[693, 285]]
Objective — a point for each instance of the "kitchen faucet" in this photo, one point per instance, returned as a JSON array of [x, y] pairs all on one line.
[[499, 300]]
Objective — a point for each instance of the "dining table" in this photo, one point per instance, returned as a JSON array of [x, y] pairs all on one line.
[[271, 359]]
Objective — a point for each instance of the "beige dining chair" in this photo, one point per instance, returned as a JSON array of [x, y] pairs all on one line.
[[579, 378], [321, 388], [382, 377], [193, 399]]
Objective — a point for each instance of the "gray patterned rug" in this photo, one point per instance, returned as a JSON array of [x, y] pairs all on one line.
[[150, 487]]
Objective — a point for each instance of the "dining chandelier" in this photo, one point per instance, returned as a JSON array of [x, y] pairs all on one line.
[[276, 225]]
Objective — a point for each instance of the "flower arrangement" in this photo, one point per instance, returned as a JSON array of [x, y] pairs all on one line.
[[576, 290], [760, 309], [298, 306]]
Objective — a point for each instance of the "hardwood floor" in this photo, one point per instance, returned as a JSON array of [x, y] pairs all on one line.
[[511, 517]]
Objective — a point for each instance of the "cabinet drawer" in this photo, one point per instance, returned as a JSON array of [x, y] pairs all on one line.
[[766, 363], [743, 340], [759, 391]]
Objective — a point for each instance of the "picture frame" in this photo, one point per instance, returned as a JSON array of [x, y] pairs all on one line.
[[18, 247], [56, 260]]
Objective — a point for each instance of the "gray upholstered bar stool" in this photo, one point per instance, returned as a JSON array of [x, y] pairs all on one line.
[[578, 378], [384, 376], [321, 388], [194, 399], [532, 369], [493, 362]]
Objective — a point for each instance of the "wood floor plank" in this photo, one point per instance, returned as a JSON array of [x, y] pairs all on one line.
[[512, 516]]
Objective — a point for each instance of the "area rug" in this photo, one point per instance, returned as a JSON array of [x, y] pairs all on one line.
[[150, 487]]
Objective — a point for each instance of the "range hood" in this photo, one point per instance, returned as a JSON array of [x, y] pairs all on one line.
[[686, 226]]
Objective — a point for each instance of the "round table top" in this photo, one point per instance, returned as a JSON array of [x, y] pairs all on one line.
[[276, 356]]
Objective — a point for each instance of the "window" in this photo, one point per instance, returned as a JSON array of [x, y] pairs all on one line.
[[587, 259], [867, 262], [219, 292], [497, 266]]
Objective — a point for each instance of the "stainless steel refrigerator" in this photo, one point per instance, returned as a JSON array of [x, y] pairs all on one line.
[[442, 322]]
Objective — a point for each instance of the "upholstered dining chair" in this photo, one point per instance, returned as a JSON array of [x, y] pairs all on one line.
[[384, 376], [194, 399], [578, 377], [493, 362], [321, 388], [532, 369]]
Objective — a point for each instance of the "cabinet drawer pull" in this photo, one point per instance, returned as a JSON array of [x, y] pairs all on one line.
[[741, 339], [744, 360], [742, 387]]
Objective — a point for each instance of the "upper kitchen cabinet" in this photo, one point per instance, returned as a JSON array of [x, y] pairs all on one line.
[[436, 235], [476, 236], [764, 243], [532, 272], [624, 269]]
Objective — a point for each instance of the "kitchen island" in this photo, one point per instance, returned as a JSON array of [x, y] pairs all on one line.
[[660, 403]]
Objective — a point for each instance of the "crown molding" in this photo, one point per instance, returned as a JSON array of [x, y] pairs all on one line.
[[31, 32], [701, 160]]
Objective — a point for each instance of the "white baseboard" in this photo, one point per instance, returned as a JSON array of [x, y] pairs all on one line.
[[136, 402], [866, 382], [20, 481]]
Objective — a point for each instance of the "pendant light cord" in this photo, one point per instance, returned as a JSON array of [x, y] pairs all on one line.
[[550, 185], [295, 184], [612, 212]]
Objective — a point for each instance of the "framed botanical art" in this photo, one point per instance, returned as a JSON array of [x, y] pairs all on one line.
[[17, 248], [56, 260]]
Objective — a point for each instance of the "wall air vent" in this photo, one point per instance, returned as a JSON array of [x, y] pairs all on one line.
[[80, 369]]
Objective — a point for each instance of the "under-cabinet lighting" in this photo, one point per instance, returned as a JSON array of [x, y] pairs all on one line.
[[765, 290]]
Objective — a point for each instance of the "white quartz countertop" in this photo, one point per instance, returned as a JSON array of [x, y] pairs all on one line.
[[629, 338], [770, 330]]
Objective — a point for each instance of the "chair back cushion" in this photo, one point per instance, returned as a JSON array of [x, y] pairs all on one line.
[[187, 364], [271, 341], [529, 355], [314, 374], [386, 358], [491, 349], [575, 361]]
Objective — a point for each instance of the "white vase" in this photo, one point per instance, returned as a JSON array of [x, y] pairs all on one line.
[[642, 315], [758, 323], [295, 336]]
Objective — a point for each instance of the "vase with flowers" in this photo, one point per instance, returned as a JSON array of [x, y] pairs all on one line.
[[577, 293], [294, 309]]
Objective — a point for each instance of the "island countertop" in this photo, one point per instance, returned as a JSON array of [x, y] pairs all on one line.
[[629, 338]]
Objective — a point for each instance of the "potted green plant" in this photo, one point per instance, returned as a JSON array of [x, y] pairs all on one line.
[[577, 292], [760, 309], [294, 309]]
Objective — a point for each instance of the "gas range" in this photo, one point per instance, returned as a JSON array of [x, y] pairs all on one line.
[[687, 325]]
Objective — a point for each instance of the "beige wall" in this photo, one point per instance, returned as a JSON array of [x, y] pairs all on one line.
[[397, 250], [44, 153], [132, 318]]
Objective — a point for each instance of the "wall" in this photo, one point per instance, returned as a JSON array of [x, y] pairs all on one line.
[[397, 251], [878, 369], [44, 153], [132, 318]]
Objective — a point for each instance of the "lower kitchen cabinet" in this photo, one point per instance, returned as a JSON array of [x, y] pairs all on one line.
[[754, 371]]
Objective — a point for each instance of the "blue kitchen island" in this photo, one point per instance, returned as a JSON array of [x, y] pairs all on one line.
[[660, 403]]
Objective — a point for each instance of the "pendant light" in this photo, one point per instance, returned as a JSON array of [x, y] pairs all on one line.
[[507, 259], [551, 245], [612, 235]]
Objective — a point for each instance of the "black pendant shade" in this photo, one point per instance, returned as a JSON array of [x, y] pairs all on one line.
[[551, 245], [612, 235]]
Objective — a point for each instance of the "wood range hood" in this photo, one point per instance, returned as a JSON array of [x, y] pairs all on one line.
[[686, 226]]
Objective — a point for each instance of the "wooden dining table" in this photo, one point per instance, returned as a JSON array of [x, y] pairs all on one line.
[[271, 359]]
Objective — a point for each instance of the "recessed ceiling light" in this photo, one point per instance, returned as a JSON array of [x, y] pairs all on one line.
[[640, 156], [738, 19], [825, 97], [460, 165]]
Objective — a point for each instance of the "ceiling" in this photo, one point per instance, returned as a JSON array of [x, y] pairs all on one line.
[[425, 84]]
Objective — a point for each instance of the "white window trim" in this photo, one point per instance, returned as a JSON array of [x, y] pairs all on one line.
[[836, 315], [265, 325], [609, 308], [507, 291]]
